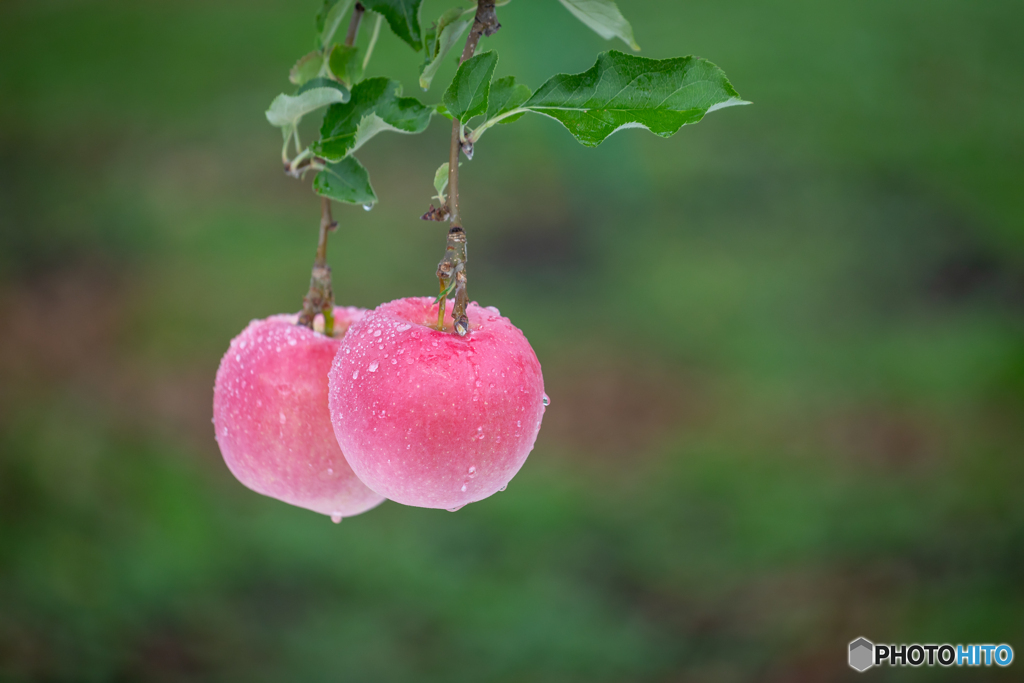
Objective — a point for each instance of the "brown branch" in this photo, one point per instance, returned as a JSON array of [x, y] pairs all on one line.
[[353, 25], [451, 271]]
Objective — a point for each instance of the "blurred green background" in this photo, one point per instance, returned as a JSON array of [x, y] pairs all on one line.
[[785, 351]]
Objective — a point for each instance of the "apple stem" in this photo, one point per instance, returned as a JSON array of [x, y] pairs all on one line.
[[320, 298], [453, 266]]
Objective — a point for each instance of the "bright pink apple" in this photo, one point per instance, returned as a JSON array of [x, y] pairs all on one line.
[[271, 417], [429, 418]]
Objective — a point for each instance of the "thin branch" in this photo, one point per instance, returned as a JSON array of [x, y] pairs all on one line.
[[353, 25]]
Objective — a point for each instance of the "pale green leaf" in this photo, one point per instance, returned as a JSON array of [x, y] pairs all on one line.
[[345, 181], [306, 68], [625, 91], [450, 28], [604, 18], [288, 110], [441, 179], [403, 17], [375, 106], [466, 97]]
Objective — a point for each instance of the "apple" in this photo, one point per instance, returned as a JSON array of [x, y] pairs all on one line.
[[430, 418], [271, 418]]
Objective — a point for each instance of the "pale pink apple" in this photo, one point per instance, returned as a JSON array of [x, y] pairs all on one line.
[[429, 418], [272, 421]]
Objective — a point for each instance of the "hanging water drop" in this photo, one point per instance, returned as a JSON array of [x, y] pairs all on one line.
[[367, 207], [546, 401], [336, 517], [456, 508]]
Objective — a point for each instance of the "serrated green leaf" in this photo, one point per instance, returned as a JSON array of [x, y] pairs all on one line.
[[441, 179], [505, 96], [329, 18], [450, 28], [604, 18], [345, 181], [625, 91], [306, 68], [466, 97], [345, 64], [375, 106], [288, 110], [403, 17]]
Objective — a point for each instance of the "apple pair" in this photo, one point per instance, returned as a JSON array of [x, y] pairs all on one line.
[[388, 407]]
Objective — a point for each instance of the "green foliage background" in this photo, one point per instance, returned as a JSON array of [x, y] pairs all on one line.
[[785, 351]]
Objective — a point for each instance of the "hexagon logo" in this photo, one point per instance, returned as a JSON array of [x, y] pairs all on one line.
[[862, 654]]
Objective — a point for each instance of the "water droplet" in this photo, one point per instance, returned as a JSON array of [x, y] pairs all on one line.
[[376, 333], [336, 517], [367, 207], [403, 327], [462, 326], [281, 417], [355, 375], [503, 487], [330, 470], [463, 488], [394, 361], [456, 508], [472, 472], [546, 401], [408, 361], [373, 366], [291, 342], [238, 358]]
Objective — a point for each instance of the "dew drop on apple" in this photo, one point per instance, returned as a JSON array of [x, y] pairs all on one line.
[[336, 517], [456, 508], [546, 401], [373, 366], [472, 472]]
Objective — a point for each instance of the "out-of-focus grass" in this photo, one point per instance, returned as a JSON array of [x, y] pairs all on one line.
[[784, 350]]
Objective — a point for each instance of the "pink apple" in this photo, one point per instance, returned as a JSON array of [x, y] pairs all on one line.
[[271, 417], [429, 418]]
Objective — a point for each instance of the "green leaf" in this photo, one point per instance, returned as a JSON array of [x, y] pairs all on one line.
[[625, 91], [306, 68], [329, 18], [450, 28], [506, 95], [345, 181], [604, 18], [345, 64], [441, 179], [288, 110], [376, 106], [321, 82], [466, 97], [403, 17]]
